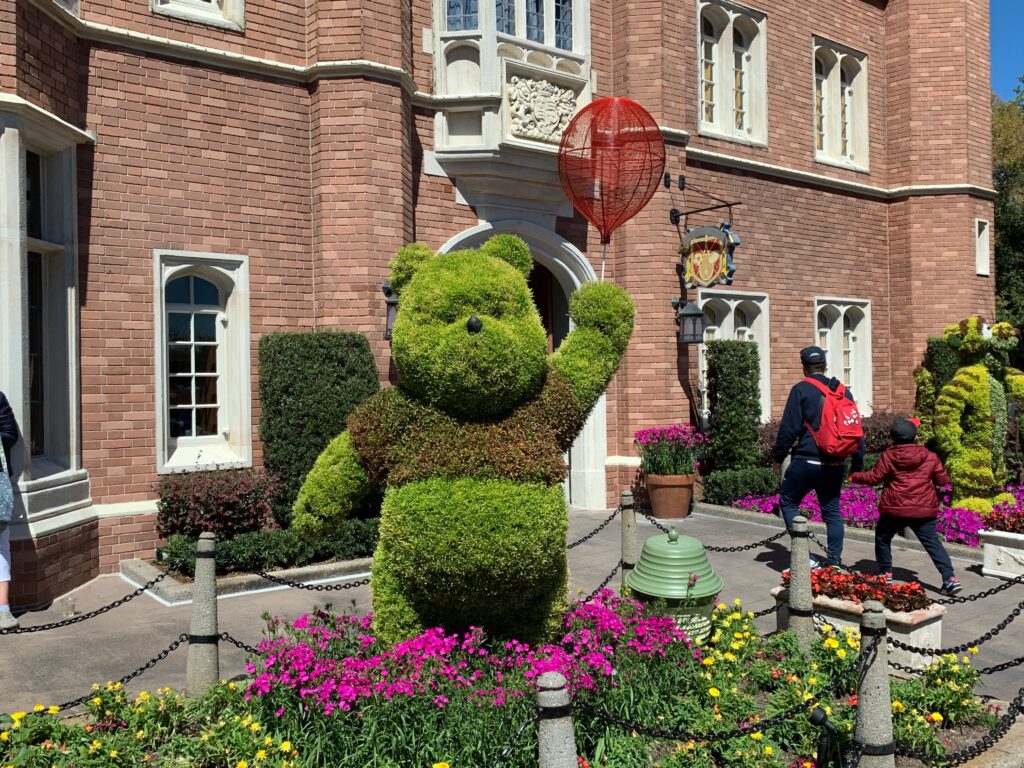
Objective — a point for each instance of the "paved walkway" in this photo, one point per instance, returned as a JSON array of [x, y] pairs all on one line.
[[59, 665]]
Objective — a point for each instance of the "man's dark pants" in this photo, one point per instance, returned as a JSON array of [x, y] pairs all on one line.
[[889, 526], [826, 480]]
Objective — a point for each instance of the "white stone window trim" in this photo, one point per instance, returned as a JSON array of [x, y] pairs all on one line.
[[982, 247], [487, 24], [838, 58], [863, 362], [226, 14], [233, 447], [758, 330], [726, 15]]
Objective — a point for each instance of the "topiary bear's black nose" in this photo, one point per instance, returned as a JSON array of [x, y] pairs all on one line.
[[473, 325]]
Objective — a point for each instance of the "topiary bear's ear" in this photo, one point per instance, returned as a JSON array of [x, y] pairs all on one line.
[[407, 261], [511, 249]]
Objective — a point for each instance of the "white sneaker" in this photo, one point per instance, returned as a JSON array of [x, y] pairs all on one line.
[[7, 620]]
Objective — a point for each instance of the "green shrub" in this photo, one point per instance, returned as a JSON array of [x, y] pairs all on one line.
[[309, 383], [724, 486], [226, 502], [408, 259], [767, 433], [334, 488], [512, 250], [735, 422], [278, 548], [473, 539], [877, 428], [942, 360]]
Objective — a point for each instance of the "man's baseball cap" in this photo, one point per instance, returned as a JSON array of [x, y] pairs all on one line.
[[811, 355]]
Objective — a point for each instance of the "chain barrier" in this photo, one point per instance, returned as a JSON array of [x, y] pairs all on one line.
[[182, 638], [238, 644], [963, 646], [763, 725], [709, 548], [98, 611], [652, 519], [904, 668], [980, 595], [507, 751], [768, 611], [979, 747], [311, 587], [603, 584], [597, 530]]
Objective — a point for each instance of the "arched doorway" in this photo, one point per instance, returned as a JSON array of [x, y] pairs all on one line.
[[560, 268]]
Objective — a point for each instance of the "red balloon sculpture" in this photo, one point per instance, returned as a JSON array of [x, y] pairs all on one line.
[[610, 162]]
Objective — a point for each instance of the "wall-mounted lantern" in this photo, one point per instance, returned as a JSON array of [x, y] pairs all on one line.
[[391, 300], [690, 318]]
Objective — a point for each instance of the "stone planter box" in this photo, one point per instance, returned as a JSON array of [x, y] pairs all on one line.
[[1003, 554], [922, 628]]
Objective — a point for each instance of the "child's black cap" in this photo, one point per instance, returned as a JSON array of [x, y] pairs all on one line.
[[905, 430]]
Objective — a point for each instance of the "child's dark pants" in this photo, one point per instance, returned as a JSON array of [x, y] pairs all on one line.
[[924, 530]]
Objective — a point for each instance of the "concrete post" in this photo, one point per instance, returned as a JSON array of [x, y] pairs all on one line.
[[203, 667], [630, 546], [557, 743], [874, 701], [801, 599]]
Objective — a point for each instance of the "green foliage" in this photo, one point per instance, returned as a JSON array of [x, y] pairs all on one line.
[[942, 360], [334, 488], [974, 504], [510, 249], [278, 548], [964, 432], [605, 307], [1008, 176], [309, 383], [474, 376], [924, 404], [225, 502], [408, 259], [877, 430], [733, 375], [724, 486], [473, 539]]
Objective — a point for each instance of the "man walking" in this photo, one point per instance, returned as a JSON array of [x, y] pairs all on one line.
[[811, 468]]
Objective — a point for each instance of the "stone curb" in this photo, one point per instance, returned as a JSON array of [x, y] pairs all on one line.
[[174, 591], [856, 534]]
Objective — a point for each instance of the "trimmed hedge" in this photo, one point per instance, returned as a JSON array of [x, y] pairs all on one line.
[[278, 548], [735, 404], [487, 553], [475, 376], [512, 250], [724, 486], [226, 502], [941, 360], [964, 432], [334, 488], [309, 383]]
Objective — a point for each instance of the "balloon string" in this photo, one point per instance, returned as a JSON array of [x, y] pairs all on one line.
[[604, 251]]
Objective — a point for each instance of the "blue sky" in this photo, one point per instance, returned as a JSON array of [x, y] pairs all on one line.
[[1007, 34]]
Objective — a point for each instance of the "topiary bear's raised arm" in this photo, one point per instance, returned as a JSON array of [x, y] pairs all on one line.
[[1014, 382], [335, 486], [590, 354]]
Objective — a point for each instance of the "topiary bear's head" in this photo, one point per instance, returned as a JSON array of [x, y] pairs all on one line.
[[468, 339], [976, 342]]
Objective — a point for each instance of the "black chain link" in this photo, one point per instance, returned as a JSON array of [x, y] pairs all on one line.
[[597, 530], [312, 587], [603, 584], [132, 675], [763, 725], [654, 520], [238, 644], [904, 668], [507, 751], [767, 611], [1002, 667], [979, 747], [980, 595], [91, 614], [963, 646], [709, 548]]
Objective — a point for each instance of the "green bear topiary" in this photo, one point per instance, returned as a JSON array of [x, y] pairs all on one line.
[[966, 421], [469, 446]]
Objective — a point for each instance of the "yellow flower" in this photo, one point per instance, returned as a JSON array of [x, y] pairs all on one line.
[[826, 628], [441, 765], [768, 750], [841, 653], [260, 754], [4, 735], [95, 746], [53, 709], [17, 716], [242, 764], [973, 649], [831, 642], [812, 681], [255, 727], [113, 753], [714, 693], [38, 708], [935, 717], [708, 661], [737, 601], [757, 735], [852, 641], [729, 656], [140, 734], [285, 746], [96, 701]]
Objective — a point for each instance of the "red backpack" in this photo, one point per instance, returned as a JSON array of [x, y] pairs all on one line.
[[841, 431]]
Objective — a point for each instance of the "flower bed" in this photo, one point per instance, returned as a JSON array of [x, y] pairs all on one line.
[[323, 693], [859, 587]]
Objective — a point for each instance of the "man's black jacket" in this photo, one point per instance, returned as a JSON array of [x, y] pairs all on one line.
[[804, 405]]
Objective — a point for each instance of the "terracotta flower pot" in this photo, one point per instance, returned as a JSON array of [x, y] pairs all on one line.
[[670, 495]]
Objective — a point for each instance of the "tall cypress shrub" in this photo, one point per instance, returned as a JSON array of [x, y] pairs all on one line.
[[309, 383], [735, 402]]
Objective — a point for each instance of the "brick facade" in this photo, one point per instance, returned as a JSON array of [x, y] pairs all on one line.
[[306, 141]]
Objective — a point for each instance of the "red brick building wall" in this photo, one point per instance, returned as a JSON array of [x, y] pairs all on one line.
[[305, 142]]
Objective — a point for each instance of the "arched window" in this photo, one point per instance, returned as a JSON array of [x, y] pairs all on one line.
[[740, 79], [708, 62], [840, 105], [844, 331], [820, 102], [824, 328], [846, 109], [737, 317], [194, 360]]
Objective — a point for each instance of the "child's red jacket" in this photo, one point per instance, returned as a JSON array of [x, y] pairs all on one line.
[[910, 473]]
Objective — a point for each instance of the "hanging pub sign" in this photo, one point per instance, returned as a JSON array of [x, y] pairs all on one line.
[[707, 255]]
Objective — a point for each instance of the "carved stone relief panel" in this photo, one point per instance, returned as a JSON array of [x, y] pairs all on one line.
[[538, 109]]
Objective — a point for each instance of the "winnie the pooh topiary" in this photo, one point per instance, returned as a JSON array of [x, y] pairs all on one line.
[[469, 446], [966, 421]]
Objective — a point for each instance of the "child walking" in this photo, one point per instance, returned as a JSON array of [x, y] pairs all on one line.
[[909, 473]]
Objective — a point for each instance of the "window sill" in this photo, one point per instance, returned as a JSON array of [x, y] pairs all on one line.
[[838, 163], [714, 133], [201, 458], [198, 16]]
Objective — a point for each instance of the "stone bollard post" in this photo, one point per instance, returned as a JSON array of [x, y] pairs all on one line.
[[801, 598], [874, 701], [630, 547], [203, 666], [557, 742]]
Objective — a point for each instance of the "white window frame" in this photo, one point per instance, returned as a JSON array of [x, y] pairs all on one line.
[[758, 331], [233, 446], [835, 335], [844, 105], [982, 247], [226, 14], [728, 19], [487, 26]]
